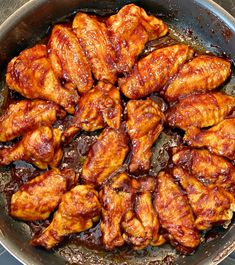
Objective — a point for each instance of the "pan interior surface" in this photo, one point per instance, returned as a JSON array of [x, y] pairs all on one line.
[[200, 26]]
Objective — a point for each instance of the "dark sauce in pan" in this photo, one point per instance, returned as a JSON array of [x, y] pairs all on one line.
[[75, 154]]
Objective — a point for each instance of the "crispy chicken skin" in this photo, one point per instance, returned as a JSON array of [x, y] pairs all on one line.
[[68, 59], [40, 147], [141, 225], [211, 205], [130, 29], [202, 110], [31, 75], [220, 139], [98, 107], [105, 156], [93, 37], [25, 115], [39, 197], [175, 214], [144, 124], [77, 212], [202, 74], [116, 201], [210, 168], [152, 72]]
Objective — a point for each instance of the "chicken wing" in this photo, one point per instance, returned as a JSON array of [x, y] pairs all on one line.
[[203, 73], [201, 110], [175, 214], [31, 75], [78, 210], [152, 72], [68, 59], [220, 139], [141, 225], [211, 205], [116, 200], [144, 124], [209, 168], [130, 29], [105, 156], [39, 197], [40, 147], [93, 37], [25, 115], [96, 108]]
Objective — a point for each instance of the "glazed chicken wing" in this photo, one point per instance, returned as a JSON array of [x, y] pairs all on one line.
[[202, 74], [116, 200], [141, 225], [39, 197], [130, 29], [144, 124], [152, 72], [220, 139], [93, 37], [68, 59], [211, 205], [201, 110], [175, 214], [25, 115], [31, 75], [105, 156], [210, 168], [78, 210], [40, 147], [96, 108]]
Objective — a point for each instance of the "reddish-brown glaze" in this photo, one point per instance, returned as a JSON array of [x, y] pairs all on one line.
[[202, 74], [37, 198], [175, 214], [152, 72], [144, 124], [220, 139], [130, 29], [32, 76], [202, 110], [93, 37], [68, 59]]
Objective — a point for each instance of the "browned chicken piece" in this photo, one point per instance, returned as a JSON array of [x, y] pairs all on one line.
[[152, 72], [220, 139], [202, 74], [130, 29], [68, 59], [93, 37], [144, 124], [210, 168], [25, 115], [98, 107], [31, 75], [38, 198], [77, 212], [175, 214], [40, 147], [105, 156], [116, 201], [141, 225], [211, 205], [201, 110]]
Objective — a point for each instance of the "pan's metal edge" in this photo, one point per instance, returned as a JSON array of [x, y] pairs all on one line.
[[14, 18], [218, 11]]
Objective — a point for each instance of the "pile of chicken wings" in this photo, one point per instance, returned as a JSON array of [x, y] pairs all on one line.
[[88, 69]]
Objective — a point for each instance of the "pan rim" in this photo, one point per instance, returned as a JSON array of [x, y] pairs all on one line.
[[26, 8]]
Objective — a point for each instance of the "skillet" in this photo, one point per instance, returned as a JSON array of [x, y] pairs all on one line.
[[202, 23]]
